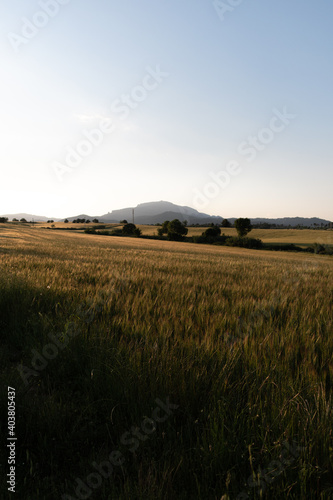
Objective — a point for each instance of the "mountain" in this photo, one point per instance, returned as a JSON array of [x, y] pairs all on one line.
[[191, 219], [82, 216], [30, 217], [158, 211], [288, 221], [153, 213]]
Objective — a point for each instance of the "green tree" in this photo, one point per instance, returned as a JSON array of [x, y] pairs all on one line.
[[176, 230], [226, 223], [212, 232], [243, 226], [164, 228], [129, 229]]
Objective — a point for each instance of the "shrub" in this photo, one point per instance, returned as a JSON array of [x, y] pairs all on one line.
[[212, 232], [322, 249], [286, 247], [173, 236], [328, 249], [319, 249], [216, 240], [199, 239], [243, 242], [129, 229]]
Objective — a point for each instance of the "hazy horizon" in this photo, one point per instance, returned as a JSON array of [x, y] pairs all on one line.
[[93, 214], [224, 109]]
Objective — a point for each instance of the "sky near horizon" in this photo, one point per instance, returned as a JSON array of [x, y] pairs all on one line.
[[223, 106]]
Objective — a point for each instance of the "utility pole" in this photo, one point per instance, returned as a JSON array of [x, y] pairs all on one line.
[[133, 215]]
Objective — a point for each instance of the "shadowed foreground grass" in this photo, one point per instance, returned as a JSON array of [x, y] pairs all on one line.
[[94, 331]]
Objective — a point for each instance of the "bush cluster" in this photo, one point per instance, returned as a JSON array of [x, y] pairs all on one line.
[[231, 241]]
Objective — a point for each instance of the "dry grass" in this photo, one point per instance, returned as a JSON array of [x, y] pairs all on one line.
[[241, 340]]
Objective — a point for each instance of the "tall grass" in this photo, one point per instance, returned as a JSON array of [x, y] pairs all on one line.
[[241, 341]]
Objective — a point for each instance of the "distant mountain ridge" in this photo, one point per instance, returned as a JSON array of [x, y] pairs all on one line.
[[289, 221], [30, 217], [153, 213], [156, 212]]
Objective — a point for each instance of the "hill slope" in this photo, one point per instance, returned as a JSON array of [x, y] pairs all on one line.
[[158, 211], [30, 217]]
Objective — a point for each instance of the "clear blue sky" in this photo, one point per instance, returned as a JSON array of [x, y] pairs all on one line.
[[230, 74]]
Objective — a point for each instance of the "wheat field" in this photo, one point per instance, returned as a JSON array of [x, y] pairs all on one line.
[[296, 236], [239, 340]]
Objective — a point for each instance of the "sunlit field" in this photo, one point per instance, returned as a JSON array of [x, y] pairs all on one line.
[[296, 236], [221, 356]]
